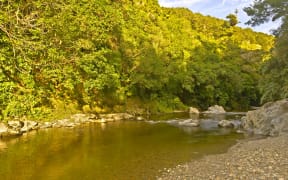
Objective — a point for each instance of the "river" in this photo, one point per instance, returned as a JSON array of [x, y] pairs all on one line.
[[118, 150]]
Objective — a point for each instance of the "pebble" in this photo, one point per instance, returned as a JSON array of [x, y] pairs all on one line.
[[257, 159]]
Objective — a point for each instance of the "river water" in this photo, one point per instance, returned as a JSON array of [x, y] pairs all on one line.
[[118, 150]]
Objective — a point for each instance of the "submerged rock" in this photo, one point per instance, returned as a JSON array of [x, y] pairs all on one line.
[[215, 110], [271, 119]]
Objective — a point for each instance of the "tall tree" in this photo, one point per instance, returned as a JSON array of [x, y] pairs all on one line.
[[233, 20], [274, 83]]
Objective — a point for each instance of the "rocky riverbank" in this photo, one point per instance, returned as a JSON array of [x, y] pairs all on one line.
[[255, 159], [18, 127]]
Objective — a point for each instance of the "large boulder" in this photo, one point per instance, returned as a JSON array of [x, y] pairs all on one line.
[[193, 110], [216, 109], [271, 119]]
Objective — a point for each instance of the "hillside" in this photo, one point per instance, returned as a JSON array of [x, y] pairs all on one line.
[[97, 56]]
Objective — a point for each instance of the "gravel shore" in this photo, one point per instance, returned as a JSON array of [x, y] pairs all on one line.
[[257, 159]]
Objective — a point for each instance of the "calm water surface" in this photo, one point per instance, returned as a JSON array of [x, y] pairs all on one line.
[[120, 150]]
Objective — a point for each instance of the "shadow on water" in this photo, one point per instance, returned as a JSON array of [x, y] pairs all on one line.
[[120, 150]]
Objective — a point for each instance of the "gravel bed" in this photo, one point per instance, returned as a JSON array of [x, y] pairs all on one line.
[[265, 159]]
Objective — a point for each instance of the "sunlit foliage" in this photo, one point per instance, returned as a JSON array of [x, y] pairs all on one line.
[[98, 55]]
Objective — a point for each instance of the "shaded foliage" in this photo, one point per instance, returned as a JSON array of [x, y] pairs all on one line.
[[274, 84]]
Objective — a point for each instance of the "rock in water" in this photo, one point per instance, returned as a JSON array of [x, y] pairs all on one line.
[[226, 124], [215, 110], [17, 125], [190, 122], [29, 125], [271, 119], [193, 110]]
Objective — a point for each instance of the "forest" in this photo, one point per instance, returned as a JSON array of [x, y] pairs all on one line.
[[61, 57]]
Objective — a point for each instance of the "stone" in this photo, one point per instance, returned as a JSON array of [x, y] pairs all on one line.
[[140, 118], [65, 123], [102, 120], [271, 119], [226, 124], [12, 132], [215, 110], [70, 124], [193, 110], [17, 125], [92, 116], [5, 131], [116, 116], [127, 116], [153, 122], [29, 125], [81, 118], [45, 125], [172, 122], [190, 122]]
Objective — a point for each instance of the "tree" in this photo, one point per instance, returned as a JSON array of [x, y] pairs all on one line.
[[97, 54], [274, 83], [233, 20]]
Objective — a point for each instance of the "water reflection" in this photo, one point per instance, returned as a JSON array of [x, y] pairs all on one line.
[[119, 150], [3, 145], [103, 126]]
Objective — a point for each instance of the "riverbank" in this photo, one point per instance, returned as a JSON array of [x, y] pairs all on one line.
[[255, 159], [16, 128]]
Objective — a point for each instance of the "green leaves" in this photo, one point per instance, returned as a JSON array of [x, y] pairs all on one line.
[[273, 83], [233, 20], [98, 54]]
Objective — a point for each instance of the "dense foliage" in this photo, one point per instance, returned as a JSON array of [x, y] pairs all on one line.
[[274, 84], [109, 55]]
